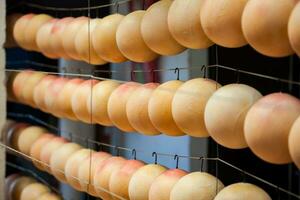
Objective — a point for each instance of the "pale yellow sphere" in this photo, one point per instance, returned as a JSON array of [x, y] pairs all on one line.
[[104, 39], [244, 191], [141, 181], [294, 137], [225, 114], [31, 30], [59, 159], [221, 22], [189, 103], [130, 41], [196, 186], [103, 174], [43, 42], [72, 166], [117, 105], [49, 196], [162, 186], [267, 127], [34, 191], [20, 26], [28, 136], [18, 186], [188, 33], [18, 83], [155, 30], [97, 102], [160, 108], [294, 29], [83, 43], [265, 25], [57, 37], [70, 33], [137, 109]]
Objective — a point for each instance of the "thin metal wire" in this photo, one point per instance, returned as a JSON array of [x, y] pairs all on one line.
[[238, 70], [156, 154], [38, 6]]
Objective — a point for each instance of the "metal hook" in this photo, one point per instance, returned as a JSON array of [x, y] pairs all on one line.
[[176, 157], [132, 75], [133, 153], [154, 154], [202, 163], [204, 68], [177, 71]]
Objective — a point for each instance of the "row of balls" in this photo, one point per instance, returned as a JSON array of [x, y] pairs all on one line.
[[165, 28], [235, 115], [18, 187], [113, 177]]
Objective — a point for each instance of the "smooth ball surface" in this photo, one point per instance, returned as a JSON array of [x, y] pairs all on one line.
[[137, 109], [64, 98], [31, 30], [243, 191], [294, 137], [141, 181], [87, 171], [155, 30], [99, 100], [38, 145], [196, 186], [79, 101], [189, 103], [18, 186], [34, 191], [83, 43], [225, 114], [48, 150], [294, 30], [188, 33], [50, 196], [103, 174], [40, 91], [43, 42], [163, 184], [160, 108], [20, 26], [265, 24], [130, 41], [119, 180], [117, 105], [104, 39], [59, 159], [28, 137], [72, 167], [267, 127], [19, 82], [11, 21], [221, 22]]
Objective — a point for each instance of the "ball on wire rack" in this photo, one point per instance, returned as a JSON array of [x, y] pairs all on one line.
[[130, 41], [188, 33], [267, 126], [225, 114], [265, 24], [294, 30], [245, 191], [104, 39], [160, 108], [20, 26], [294, 137], [155, 32], [195, 186], [34, 191], [221, 22], [189, 103], [141, 181]]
